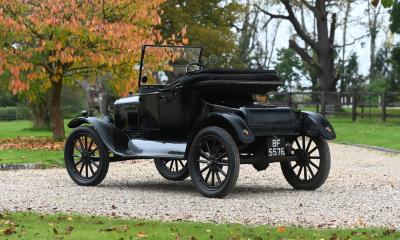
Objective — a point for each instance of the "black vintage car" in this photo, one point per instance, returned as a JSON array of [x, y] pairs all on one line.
[[203, 123]]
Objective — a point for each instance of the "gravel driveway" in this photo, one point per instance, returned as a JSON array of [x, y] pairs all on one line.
[[363, 190]]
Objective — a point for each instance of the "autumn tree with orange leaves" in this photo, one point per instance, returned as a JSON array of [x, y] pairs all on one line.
[[45, 44]]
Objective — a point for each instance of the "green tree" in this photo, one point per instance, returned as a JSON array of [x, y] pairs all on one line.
[[385, 3], [208, 24], [350, 76], [289, 67], [48, 43]]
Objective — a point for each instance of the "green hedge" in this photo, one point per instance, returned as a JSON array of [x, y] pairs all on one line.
[[14, 113]]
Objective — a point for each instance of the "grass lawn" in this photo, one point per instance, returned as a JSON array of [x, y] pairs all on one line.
[[371, 132], [44, 157], [23, 225], [23, 128]]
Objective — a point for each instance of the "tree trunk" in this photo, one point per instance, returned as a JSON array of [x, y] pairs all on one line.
[[343, 83], [373, 26], [40, 116], [323, 46], [57, 121]]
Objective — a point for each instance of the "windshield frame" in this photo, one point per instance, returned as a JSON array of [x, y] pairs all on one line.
[[162, 46]]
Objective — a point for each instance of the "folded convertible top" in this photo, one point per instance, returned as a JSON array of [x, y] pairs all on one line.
[[232, 80]]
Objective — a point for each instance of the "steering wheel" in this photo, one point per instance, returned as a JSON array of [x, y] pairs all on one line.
[[201, 66]]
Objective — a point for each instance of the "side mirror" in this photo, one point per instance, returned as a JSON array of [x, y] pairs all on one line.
[[144, 79]]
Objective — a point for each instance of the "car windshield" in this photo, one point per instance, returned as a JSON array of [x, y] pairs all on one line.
[[164, 64]]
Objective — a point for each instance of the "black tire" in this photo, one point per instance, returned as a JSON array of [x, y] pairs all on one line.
[[213, 153], [307, 173], [86, 157], [172, 169]]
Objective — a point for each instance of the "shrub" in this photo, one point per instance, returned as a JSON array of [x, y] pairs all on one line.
[[14, 113]]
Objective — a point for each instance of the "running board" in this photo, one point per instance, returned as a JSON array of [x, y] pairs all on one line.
[[141, 148]]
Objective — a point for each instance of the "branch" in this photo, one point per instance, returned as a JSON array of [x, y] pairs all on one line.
[[271, 15], [333, 29], [79, 73], [353, 42], [297, 26], [304, 55], [309, 6]]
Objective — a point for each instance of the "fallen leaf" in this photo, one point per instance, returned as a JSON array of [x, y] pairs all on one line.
[[107, 229], [354, 233], [281, 229], [234, 237], [9, 231], [125, 228], [389, 231], [69, 229], [141, 235]]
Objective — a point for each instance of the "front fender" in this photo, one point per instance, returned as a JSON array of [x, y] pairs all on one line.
[[314, 124], [115, 140], [234, 124]]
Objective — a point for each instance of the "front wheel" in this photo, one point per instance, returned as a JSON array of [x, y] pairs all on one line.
[[172, 169], [86, 157], [312, 168], [214, 162]]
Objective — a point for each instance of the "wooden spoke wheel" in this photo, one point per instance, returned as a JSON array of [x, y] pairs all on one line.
[[172, 169], [312, 167], [86, 157], [214, 162]]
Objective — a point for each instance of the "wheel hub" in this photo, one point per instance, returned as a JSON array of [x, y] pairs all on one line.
[[303, 158], [86, 155]]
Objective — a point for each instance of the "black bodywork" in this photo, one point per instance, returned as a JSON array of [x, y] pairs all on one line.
[[161, 120]]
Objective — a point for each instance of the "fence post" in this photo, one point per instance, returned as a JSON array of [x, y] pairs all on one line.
[[354, 106], [290, 98], [384, 107], [362, 110], [323, 103]]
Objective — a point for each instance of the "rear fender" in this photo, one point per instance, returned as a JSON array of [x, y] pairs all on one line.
[[234, 124], [314, 124], [115, 140]]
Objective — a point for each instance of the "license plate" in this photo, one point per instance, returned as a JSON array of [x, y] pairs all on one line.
[[275, 147]]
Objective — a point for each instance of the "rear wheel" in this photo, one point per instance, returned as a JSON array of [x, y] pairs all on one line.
[[86, 157], [214, 162], [312, 168], [172, 169]]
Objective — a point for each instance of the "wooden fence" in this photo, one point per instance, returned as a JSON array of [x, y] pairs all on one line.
[[354, 104]]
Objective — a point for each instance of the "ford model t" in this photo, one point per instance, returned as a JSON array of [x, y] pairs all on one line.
[[203, 123]]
